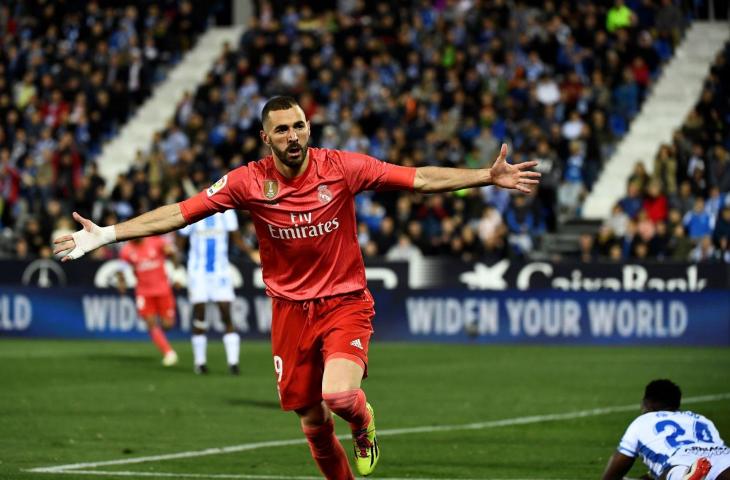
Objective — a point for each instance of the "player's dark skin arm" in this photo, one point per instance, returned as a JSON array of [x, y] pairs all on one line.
[[618, 466], [252, 253], [121, 283], [501, 174]]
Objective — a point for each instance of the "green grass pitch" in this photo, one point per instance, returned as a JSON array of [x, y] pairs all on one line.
[[68, 402]]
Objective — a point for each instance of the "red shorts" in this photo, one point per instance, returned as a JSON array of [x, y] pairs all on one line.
[[162, 305], [304, 335]]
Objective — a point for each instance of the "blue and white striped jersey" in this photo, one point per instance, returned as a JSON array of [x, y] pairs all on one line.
[[208, 251], [655, 436]]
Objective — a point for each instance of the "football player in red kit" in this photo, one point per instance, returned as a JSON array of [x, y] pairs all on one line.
[[153, 294], [301, 200]]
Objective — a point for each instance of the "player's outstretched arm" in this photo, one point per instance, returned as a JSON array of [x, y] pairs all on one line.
[[160, 220], [501, 174]]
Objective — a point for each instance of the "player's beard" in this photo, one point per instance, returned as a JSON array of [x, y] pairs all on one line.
[[285, 156]]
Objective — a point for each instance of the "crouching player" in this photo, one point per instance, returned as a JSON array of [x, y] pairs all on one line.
[[674, 444], [153, 293]]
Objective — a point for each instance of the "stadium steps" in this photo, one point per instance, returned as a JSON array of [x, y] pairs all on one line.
[[673, 96], [566, 241], [136, 135]]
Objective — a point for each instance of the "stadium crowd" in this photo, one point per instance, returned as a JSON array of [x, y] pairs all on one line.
[[418, 83], [71, 73], [682, 210]]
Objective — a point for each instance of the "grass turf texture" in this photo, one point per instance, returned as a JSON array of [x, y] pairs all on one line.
[[65, 402]]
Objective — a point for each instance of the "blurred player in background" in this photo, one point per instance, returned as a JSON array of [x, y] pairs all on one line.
[[209, 280], [301, 200], [674, 444], [153, 292]]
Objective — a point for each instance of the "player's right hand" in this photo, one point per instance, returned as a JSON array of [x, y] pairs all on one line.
[[83, 241]]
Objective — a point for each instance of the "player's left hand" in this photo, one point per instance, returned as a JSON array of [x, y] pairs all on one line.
[[517, 177]]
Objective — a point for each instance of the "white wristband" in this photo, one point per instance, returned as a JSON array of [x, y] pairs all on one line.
[[108, 234]]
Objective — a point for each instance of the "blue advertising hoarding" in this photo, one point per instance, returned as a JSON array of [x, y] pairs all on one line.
[[440, 315]]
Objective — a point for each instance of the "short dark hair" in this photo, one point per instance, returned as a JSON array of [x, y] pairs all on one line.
[[281, 102], [663, 394]]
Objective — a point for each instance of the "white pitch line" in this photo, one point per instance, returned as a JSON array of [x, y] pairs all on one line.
[[398, 431], [253, 477]]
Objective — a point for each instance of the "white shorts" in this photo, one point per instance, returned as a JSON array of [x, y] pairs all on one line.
[[718, 456], [210, 288]]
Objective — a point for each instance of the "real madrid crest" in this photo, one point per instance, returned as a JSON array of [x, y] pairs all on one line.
[[324, 193], [271, 188]]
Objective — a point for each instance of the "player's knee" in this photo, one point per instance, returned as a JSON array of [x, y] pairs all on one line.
[[314, 416], [200, 326], [342, 403], [150, 322]]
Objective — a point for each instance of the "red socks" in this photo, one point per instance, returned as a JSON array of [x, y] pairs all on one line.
[[159, 338], [327, 451], [350, 406]]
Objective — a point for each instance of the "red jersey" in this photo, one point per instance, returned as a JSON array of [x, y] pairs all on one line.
[[306, 225], [147, 257]]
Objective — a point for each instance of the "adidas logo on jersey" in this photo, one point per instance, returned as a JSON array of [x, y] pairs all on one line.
[[356, 343]]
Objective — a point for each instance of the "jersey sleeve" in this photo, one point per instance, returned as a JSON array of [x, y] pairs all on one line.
[[363, 172], [186, 230], [230, 220], [714, 434], [629, 444], [228, 192]]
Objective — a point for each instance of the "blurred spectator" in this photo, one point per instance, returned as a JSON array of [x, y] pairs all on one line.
[[632, 203], [669, 21], [665, 169], [619, 16], [655, 202], [587, 253], [698, 222], [722, 229], [522, 224], [679, 244], [618, 222], [704, 251], [404, 250]]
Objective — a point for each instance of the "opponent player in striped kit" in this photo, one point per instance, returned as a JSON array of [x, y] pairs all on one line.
[[301, 200], [209, 280], [674, 444]]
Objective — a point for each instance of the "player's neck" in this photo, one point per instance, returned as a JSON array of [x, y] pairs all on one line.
[[291, 172]]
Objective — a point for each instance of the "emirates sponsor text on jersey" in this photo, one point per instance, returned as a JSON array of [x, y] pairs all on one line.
[[302, 227]]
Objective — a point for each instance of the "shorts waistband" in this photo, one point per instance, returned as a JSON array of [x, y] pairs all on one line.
[[318, 300]]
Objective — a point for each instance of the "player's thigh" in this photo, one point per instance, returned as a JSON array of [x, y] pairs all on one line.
[[342, 374], [198, 289], [146, 307], [222, 289], [298, 361], [348, 328]]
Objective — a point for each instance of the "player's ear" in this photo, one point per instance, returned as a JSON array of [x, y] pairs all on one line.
[[264, 137]]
